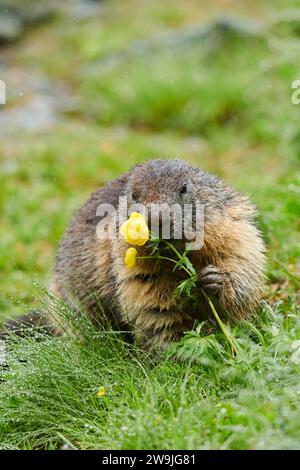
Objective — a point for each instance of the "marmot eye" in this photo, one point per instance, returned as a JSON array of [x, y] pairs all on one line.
[[135, 196], [183, 189]]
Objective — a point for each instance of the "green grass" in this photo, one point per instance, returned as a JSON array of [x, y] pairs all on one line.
[[204, 399], [226, 109]]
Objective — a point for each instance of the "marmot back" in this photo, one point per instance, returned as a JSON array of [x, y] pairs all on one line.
[[230, 264]]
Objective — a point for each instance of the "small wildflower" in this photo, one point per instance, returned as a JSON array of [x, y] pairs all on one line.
[[135, 230], [130, 257], [101, 392]]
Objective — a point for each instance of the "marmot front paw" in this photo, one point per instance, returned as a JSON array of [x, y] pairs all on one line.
[[212, 279]]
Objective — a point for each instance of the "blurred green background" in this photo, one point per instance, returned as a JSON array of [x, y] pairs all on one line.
[[95, 86]]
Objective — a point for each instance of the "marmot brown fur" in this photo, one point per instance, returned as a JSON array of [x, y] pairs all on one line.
[[230, 264]]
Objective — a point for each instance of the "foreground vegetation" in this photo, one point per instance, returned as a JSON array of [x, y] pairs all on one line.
[[204, 399], [223, 103]]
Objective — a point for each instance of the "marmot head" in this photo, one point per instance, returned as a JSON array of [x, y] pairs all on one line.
[[161, 182], [173, 184]]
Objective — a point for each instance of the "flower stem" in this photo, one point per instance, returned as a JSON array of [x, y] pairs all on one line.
[[173, 249], [234, 348]]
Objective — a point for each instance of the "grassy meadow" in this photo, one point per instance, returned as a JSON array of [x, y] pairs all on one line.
[[221, 101]]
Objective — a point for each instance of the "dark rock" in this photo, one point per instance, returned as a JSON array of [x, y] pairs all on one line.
[[11, 26], [238, 27], [16, 15], [214, 34]]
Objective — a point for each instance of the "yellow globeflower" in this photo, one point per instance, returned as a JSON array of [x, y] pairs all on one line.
[[101, 392], [130, 257], [135, 230]]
